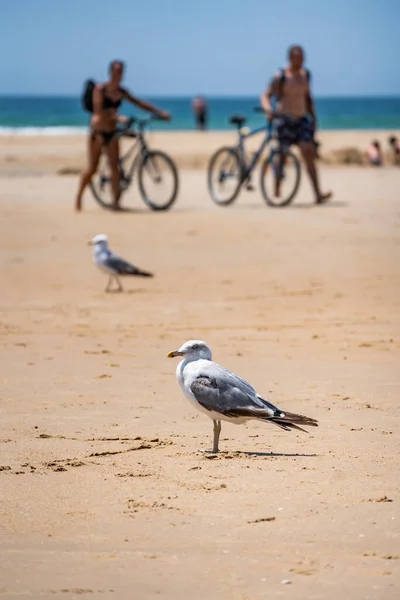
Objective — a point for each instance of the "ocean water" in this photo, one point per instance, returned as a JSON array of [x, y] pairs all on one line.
[[64, 115]]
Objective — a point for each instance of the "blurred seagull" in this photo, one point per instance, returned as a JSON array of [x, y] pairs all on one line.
[[111, 264], [224, 396]]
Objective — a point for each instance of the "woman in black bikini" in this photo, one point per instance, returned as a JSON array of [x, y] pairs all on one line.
[[107, 98]]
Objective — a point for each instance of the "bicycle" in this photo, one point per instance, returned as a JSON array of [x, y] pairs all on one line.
[[155, 165], [230, 165]]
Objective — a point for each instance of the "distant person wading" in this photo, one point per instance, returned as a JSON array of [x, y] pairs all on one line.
[[103, 101], [200, 110]]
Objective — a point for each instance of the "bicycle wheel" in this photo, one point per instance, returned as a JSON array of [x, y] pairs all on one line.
[[280, 177], [224, 176], [101, 184], [158, 180]]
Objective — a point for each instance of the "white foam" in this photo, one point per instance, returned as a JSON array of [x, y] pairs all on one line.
[[43, 130]]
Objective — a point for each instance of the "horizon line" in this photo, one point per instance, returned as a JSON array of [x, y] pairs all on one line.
[[208, 96]]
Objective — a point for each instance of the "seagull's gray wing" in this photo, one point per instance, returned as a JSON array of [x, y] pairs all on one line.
[[119, 266], [212, 368], [219, 390]]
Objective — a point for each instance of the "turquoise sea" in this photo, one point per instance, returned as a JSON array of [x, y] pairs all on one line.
[[64, 115]]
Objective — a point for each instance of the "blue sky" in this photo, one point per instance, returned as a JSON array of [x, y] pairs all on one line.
[[183, 47]]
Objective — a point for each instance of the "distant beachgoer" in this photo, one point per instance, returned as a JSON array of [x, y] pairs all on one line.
[[374, 154], [200, 110], [291, 88], [394, 144], [105, 102]]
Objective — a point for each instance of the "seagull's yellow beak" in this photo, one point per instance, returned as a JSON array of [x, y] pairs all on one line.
[[174, 353], [90, 243]]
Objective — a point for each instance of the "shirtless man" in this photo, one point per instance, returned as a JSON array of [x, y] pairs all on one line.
[[292, 90]]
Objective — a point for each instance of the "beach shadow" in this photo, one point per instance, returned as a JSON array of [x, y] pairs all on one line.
[[296, 205], [127, 210], [239, 453], [333, 203], [147, 211], [277, 454]]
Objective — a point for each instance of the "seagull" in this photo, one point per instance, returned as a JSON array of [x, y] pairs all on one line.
[[224, 396], [111, 264]]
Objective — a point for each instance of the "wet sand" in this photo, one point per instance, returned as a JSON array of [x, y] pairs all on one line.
[[103, 490]]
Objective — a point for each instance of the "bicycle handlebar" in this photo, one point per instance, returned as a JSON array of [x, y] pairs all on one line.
[[146, 120], [273, 114], [128, 128]]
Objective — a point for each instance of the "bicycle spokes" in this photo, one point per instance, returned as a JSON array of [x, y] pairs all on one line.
[[103, 181], [224, 176], [158, 180], [280, 177], [153, 169], [156, 173]]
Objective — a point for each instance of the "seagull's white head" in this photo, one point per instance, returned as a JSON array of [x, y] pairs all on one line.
[[99, 241], [192, 350]]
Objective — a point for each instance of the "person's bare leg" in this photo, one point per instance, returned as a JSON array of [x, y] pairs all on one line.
[[113, 159], [95, 145], [277, 187], [308, 153], [217, 431], [280, 160]]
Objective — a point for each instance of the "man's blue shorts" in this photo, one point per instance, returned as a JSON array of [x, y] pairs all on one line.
[[293, 131]]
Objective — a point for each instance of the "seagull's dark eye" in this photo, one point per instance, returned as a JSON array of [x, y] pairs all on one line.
[[195, 347]]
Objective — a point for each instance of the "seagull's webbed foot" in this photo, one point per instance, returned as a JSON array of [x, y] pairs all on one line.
[[109, 287]]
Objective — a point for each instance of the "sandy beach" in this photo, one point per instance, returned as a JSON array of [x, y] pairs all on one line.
[[103, 490], [21, 154]]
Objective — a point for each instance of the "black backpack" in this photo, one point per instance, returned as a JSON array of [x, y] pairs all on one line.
[[87, 95], [282, 80]]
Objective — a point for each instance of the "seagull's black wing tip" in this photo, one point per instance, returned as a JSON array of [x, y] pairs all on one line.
[[144, 273]]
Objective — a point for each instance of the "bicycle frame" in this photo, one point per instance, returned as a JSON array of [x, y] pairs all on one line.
[[139, 148], [138, 161], [248, 167]]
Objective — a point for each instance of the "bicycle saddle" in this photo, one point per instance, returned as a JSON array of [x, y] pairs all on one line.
[[237, 120]]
